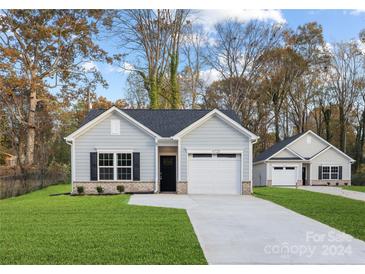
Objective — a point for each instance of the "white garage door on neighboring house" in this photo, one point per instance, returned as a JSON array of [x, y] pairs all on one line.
[[214, 173], [284, 175]]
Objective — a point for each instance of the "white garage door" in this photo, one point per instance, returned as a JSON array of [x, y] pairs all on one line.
[[214, 174], [284, 176]]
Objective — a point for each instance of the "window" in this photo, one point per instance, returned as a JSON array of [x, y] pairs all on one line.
[[106, 166], [124, 166], [278, 168], [114, 127], [115, 166], [202, 155], [226, 155], [326, 172], [290, 167], [334, 172]]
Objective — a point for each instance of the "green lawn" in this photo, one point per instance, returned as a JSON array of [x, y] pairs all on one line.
[[355, 188], [39, 229], [341, 213]]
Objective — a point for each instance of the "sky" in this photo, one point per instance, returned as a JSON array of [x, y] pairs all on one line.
[[338, 25]]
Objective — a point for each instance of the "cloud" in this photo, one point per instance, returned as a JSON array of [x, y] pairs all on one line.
[[126, 68], [209, 76], [357, 12], [90, 66], [208, 18]]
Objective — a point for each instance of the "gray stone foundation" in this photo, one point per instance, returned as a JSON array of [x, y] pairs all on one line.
[[331, 182], [246, 188], [111, 187], [182, 187]]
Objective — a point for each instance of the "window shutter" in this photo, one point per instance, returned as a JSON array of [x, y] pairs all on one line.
[[320, 173], [340, 172], [136, 166], [93, 166]]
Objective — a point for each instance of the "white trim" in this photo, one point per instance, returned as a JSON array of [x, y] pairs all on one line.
[[115, 166], [104, 115], [290, 150], [157, 172], [207, 117], [336, 149], [214, 151], [330, 172], [73, 162], [110, 150], [179, 160]]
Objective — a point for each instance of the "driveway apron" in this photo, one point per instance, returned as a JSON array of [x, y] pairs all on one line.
[[249, 230]]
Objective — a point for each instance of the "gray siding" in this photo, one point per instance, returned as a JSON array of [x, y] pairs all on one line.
[[131, 138], [331, 157], [214, 134], [305, 149], [259, 175], [285, 153]]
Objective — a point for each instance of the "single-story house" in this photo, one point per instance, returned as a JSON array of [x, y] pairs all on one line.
[[182, 151], [303, 159]]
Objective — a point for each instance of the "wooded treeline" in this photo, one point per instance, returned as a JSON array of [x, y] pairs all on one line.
[[280, 81]]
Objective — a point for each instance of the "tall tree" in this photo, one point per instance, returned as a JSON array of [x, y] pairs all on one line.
[[45, 49], [281, 67], [346, 81], [235, 54], [152, 40]]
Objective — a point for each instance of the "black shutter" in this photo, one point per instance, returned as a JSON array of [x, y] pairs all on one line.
[[93, 166], [340, 172], [136, 166], [320, 173]]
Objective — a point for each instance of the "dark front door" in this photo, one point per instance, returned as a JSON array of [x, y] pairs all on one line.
[[304, 175], [168, 173]]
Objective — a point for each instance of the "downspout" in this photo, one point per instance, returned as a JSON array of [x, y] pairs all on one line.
[[251, 160], [72, 162]]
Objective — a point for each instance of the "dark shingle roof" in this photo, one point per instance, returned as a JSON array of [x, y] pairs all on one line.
[[275, 148], [165, 122]]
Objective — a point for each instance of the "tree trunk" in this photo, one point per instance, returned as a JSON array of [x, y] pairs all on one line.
[[342, 129], [153, 92], [175, 92], [29, 150], [277, 124]]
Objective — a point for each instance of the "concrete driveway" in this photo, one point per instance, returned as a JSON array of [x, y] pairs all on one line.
[[249, 230], [356, 195]]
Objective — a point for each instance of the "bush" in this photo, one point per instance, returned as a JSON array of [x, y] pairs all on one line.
[[120, 188], [80, 190], [346, 184], [99, 189], [337, 184], [328, 183]]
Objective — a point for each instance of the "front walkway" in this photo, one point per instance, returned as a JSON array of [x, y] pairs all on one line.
[[356, 195], [249, 230]]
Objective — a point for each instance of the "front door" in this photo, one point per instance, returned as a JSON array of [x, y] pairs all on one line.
[[168, 173], [304, 175]]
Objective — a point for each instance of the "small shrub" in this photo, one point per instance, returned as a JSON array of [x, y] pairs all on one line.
[[346, 184], [80, 190], [120, 188], [337, 184], [328, 183], [99, 189]]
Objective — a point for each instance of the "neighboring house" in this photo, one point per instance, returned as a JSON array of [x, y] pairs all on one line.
[[304, 159], [183, 151]]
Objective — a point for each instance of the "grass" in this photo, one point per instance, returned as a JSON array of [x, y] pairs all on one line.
[[341, 213], [39, 229], [355, 188]]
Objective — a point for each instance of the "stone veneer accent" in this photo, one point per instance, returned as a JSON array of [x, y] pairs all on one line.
[[111, 187], [246, 188], [299, 182], [332, 182], [269, 183], [182, 187]]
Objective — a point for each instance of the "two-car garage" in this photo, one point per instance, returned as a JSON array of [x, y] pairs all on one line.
[[214, 173]]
